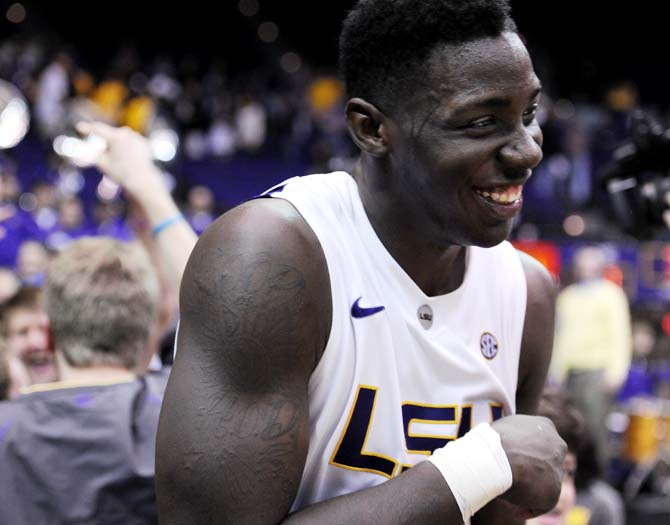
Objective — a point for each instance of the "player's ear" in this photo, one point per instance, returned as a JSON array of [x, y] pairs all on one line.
[[368, 127]]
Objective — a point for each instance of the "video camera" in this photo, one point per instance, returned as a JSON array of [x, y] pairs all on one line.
[[638, 178]]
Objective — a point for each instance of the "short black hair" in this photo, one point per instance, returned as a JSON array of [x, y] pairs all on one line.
[[384, 42]]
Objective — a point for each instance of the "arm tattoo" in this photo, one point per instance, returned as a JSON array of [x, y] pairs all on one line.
[[249, 319]]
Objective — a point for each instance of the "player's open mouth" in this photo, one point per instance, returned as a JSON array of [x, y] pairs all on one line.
[[505, 195], [501, 202]]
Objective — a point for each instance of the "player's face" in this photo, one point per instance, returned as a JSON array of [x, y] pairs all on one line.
[[465, 144]]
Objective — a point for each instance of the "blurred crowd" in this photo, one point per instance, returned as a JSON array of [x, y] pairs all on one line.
[[277, 117], [210, 127], [277, 111]]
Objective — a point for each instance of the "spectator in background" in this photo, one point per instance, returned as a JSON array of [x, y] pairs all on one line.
[[200, 211], [641, 378], [220, 139], [250, 125], [25, 326], [10, 187], [110, 221], [53, 90], [157, 222], [71, 223], [14, 225], [71, 217], [81, 450], [13, 374], [620, 101], [31, 262], [128, 162], [45, 214], [155, 218], [9, 284], [110, 95], [592, 346], [139, 111], [571, 169]]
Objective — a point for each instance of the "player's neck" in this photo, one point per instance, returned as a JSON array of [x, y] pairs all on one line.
[[436, 270]]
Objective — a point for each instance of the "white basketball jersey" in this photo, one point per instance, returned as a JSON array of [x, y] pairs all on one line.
[[402, 373]]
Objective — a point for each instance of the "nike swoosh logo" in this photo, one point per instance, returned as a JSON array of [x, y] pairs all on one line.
[[359, 311]]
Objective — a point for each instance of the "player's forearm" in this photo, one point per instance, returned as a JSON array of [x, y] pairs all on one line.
[[418, 496]]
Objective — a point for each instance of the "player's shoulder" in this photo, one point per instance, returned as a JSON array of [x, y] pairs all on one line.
[[538, 279], [262, 263], [261, 217], [263, 234], [267, 225], [541, 291]]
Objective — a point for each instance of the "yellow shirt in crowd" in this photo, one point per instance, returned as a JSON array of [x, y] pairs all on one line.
[[593, 330]]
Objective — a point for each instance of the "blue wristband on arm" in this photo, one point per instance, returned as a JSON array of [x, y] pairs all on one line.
[[166, 224]]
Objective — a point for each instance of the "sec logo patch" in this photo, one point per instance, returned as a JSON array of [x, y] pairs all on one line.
[[488, 345]]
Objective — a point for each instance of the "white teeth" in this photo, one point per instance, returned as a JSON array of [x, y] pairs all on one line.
[[506, 197]]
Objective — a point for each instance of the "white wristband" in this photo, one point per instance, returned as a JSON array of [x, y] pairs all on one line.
[[475, 467]]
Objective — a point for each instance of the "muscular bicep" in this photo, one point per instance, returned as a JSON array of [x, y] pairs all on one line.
[[233, 433]]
